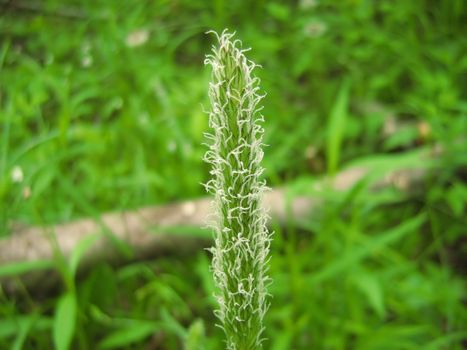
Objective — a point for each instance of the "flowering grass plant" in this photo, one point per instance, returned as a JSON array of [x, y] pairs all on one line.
[[240, 254]]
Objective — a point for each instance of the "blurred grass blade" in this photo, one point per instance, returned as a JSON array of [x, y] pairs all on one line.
[[22, 267], [134, 332], [28, 146], [22, 332], [384, 338], [171, 324], [359, 253], [370, 286], [195, 336], [9, 327], [81, 248], [64, 321], [447, 340], [3, 53], [123, 247], [336, 127]]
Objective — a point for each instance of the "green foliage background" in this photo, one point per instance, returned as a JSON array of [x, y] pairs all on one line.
[[101, 108]]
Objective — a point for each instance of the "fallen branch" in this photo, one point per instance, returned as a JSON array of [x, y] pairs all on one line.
[[148, 231]]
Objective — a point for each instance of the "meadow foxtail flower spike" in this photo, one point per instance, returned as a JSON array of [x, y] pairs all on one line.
[[240, 253]]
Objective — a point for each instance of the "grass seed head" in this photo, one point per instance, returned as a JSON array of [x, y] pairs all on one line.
[[240, 253]]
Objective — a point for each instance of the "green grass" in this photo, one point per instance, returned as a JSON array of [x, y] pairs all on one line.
[[98, 124]]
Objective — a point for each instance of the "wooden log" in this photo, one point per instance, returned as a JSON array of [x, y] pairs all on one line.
[[148, 232]]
